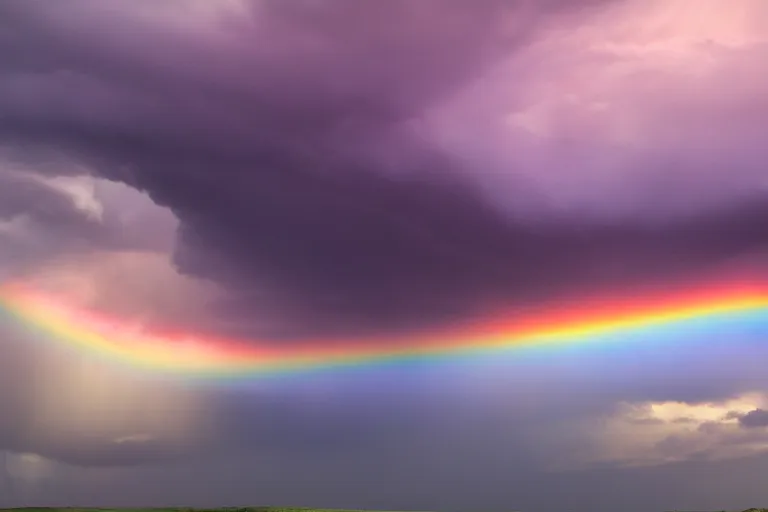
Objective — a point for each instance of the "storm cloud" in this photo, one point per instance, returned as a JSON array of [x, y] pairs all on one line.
[[292, 141]]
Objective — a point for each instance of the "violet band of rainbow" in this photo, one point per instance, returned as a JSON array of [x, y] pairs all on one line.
[[555, 324]]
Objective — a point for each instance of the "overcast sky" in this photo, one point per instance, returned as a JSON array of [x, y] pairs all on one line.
[[294, 170]]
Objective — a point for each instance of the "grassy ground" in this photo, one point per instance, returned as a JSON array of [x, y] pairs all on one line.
[[224, 509], [181, 509]]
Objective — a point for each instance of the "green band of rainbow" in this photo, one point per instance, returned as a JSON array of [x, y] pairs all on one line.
[[571, 322]]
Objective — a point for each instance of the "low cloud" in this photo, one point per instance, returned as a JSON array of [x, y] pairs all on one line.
[[656, 433], [757, 418]]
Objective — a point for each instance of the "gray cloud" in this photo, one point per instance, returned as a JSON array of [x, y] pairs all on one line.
[[37, 219], [754, 419]]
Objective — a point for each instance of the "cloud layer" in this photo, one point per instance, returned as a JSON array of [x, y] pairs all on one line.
[[351, 179]]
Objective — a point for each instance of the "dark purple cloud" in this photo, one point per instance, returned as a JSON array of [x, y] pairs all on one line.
[[283, 141]]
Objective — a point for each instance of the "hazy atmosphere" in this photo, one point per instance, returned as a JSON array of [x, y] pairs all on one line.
[[194, 192]]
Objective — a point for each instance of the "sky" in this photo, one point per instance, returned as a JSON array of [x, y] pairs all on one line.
[[382, 254]]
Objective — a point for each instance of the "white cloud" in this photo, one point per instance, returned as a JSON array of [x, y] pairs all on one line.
[[654, 433], [82, 191], [135, 438]]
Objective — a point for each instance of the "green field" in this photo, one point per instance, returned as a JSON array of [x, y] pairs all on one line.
[[183, 509], [223, 509]]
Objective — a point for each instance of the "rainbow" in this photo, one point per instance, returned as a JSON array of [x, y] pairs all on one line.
[[554, 325]]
